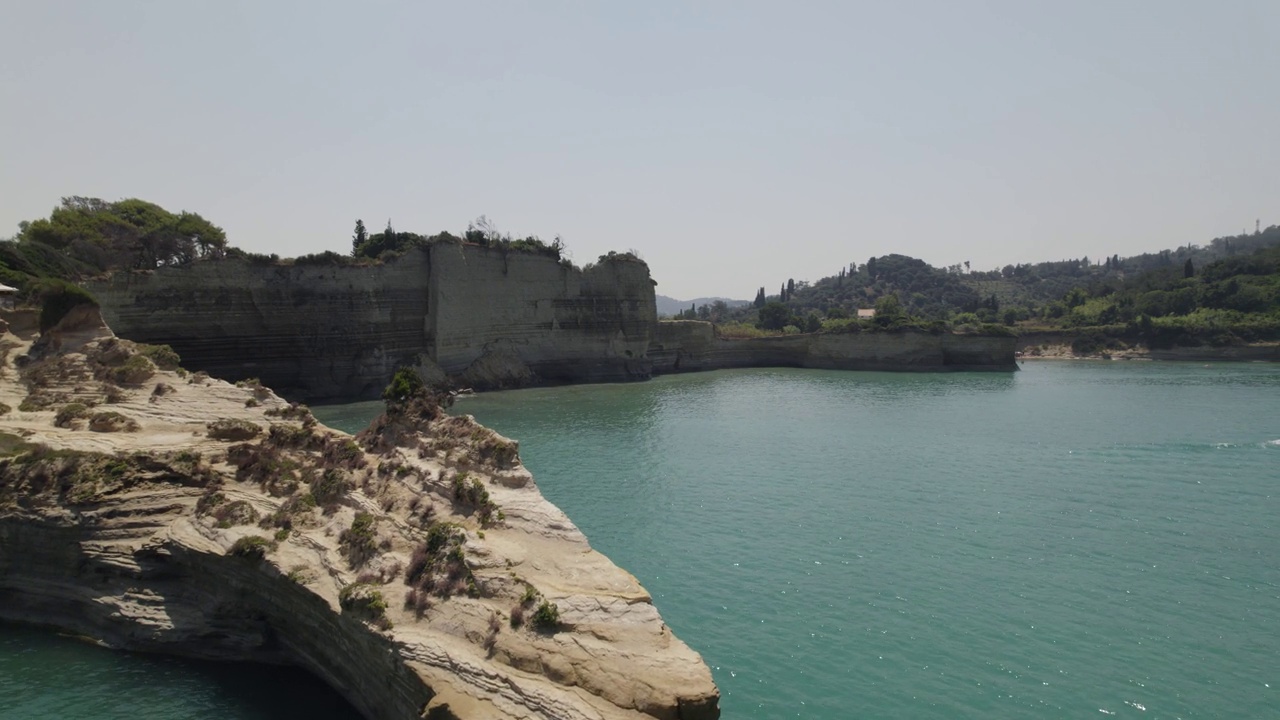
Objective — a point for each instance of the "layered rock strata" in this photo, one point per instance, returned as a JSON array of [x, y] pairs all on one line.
[[417, 569], [469, 316], [482, 316]]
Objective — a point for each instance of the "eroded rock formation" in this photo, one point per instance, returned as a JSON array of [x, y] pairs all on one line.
[[417, 569]]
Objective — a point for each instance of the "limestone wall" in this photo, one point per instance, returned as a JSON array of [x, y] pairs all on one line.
[[310, 331], [563, 324], [683, 346], [319, 332]]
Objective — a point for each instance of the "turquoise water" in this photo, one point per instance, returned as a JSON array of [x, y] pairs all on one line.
[[1073, 540], [43, 675]]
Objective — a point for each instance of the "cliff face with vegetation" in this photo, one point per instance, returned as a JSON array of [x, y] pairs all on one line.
[[687, 345], [483, 316], [415, 567], [477, 316]]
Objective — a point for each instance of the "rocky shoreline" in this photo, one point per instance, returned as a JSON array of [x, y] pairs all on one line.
[[1063, 347], [415, 568]]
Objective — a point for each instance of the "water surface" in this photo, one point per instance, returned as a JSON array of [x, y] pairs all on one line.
[[1074, 540], [45, 675]]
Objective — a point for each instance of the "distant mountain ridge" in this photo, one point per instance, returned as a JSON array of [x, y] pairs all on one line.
[[671, 306]]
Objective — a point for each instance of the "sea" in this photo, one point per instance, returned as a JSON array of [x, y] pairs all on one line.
[[1076, 539]]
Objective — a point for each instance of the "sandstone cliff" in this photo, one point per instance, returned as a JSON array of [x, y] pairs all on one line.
[[483, 316], [690, 345], [418, 570]]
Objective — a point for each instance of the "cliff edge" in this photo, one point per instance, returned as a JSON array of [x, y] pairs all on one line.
[[416, 567]]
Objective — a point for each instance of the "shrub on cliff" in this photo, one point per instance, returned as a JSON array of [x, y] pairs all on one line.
[[358, 542], [364, 601], [237, 512], [547, 617], [251, 547], [405, 384], [471, 492], [111, 421], [69, 413], [438, 567], [59, 297], [162, 355], [330, 487], [233, 429], [135, 371]]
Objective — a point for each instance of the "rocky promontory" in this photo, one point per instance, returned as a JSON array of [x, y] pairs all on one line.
[[415, 567]]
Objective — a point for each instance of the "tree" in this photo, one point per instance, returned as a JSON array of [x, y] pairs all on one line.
[[359, 238], [791, 288], [774, 316], [127, 233], [760, 300], [871, 268], [1188, 270], [888, 307]]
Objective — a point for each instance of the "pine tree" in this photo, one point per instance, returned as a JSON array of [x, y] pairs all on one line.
[[1188, 270], [359, 238]]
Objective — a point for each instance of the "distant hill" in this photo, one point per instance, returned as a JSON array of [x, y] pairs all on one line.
[[671, 306]]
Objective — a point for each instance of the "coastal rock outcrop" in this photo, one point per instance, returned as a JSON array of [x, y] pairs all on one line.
[[415, 568]]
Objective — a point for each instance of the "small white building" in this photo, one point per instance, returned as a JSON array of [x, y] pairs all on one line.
[[866, 313], [7, 296]]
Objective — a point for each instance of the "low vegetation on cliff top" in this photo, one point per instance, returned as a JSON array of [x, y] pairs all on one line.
[[84, 237]]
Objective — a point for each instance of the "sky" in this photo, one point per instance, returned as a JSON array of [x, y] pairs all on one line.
[[733, 145]]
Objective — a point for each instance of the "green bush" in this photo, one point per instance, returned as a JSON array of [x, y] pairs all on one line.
[[135, 371], [404, 384], [162, 355], [330, 487], [70, 412], [251, 547], [546, 617], [111, 421], [358, 541], [233, 429], [364, 601]]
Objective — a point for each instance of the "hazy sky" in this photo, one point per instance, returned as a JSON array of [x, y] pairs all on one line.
[[733, 144]]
